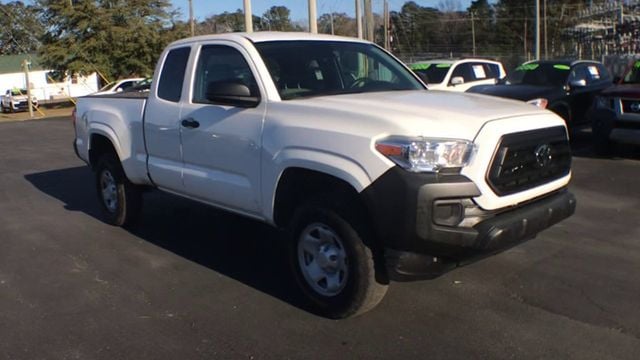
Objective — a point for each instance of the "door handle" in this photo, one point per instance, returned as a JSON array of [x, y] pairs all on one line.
[[189, 123]]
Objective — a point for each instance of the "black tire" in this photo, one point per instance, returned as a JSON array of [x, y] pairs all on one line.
[[601, 126], [361, 285], [120, 200]]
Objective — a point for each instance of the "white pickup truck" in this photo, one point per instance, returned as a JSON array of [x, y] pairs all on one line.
[[335, 140]]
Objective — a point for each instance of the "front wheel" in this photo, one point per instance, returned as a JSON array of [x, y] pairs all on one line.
[[120, 200], [331, 264]]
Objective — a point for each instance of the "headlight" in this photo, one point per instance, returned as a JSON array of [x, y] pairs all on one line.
[[426, 155], [602, 102], [539, 102]]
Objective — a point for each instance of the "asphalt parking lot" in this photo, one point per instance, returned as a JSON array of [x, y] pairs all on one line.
[[191, 282]]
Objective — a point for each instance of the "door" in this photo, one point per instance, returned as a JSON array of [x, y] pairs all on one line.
[[221, 144], [162, 122]]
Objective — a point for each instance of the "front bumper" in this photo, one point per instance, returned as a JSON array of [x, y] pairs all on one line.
[[430, 224], [24, 105]]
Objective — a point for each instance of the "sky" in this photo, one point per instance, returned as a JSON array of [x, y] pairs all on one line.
[[299, 11]]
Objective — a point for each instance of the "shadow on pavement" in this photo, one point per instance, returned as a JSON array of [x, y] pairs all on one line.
[[245, 250]]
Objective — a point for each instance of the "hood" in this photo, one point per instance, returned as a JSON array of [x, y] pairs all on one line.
[[412, 113], [626, 91], [519, 92]]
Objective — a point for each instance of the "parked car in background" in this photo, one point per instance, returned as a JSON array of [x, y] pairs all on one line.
[[17, 100], [615, 115], [141, 86], [458, 75], [118, 86], [565, 87]]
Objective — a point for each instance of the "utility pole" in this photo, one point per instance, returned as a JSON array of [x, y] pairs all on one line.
[[313, 17], [248, 17], [473, 32], [192, 24], [537, 29], [525, 40], [546, 43], [331, 16], [387, 45], [359, 18], [368, 17], [25, 65]]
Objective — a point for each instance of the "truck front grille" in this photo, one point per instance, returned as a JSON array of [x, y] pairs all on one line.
[[528, 159]]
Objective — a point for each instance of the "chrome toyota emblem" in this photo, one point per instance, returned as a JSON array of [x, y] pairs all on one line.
[[635, 107], [543, 155]]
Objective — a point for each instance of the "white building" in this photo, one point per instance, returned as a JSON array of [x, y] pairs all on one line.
[[45, 84]]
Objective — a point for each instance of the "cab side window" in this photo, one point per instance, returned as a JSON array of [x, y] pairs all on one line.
[[220, 65], [172, 76]]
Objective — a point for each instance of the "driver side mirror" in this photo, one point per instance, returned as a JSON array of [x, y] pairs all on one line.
[[457, 80], [578, 83], [231, 93]]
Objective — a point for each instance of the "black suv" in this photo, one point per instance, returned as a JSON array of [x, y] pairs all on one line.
[[567, 88]]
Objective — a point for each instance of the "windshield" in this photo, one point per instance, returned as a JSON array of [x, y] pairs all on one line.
[[316, 68], [108, 86], [18, 92], [431, 73], [633, 76], [546, 74]]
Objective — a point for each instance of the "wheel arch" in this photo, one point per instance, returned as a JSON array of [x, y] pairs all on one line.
[[100, 142], [299, 184]]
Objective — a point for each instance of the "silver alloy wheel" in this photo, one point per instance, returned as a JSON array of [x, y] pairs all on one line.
[[109, 190], [323, 259]]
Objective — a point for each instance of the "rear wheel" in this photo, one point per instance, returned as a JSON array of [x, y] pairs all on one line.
[[331, 264], [120, 200]]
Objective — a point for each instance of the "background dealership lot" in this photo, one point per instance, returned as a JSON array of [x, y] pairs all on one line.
[[193, 282]]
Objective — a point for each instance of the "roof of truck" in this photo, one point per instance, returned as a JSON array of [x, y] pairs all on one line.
[[263, 36]]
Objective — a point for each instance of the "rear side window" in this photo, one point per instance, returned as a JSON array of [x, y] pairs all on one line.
[[481, 71], [172, 75]]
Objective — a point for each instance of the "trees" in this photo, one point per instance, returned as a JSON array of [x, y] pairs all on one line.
[[19, 28], [341, 23], [416, 29], [277, 19], [484, 25], [114, 37], [227, 22]]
